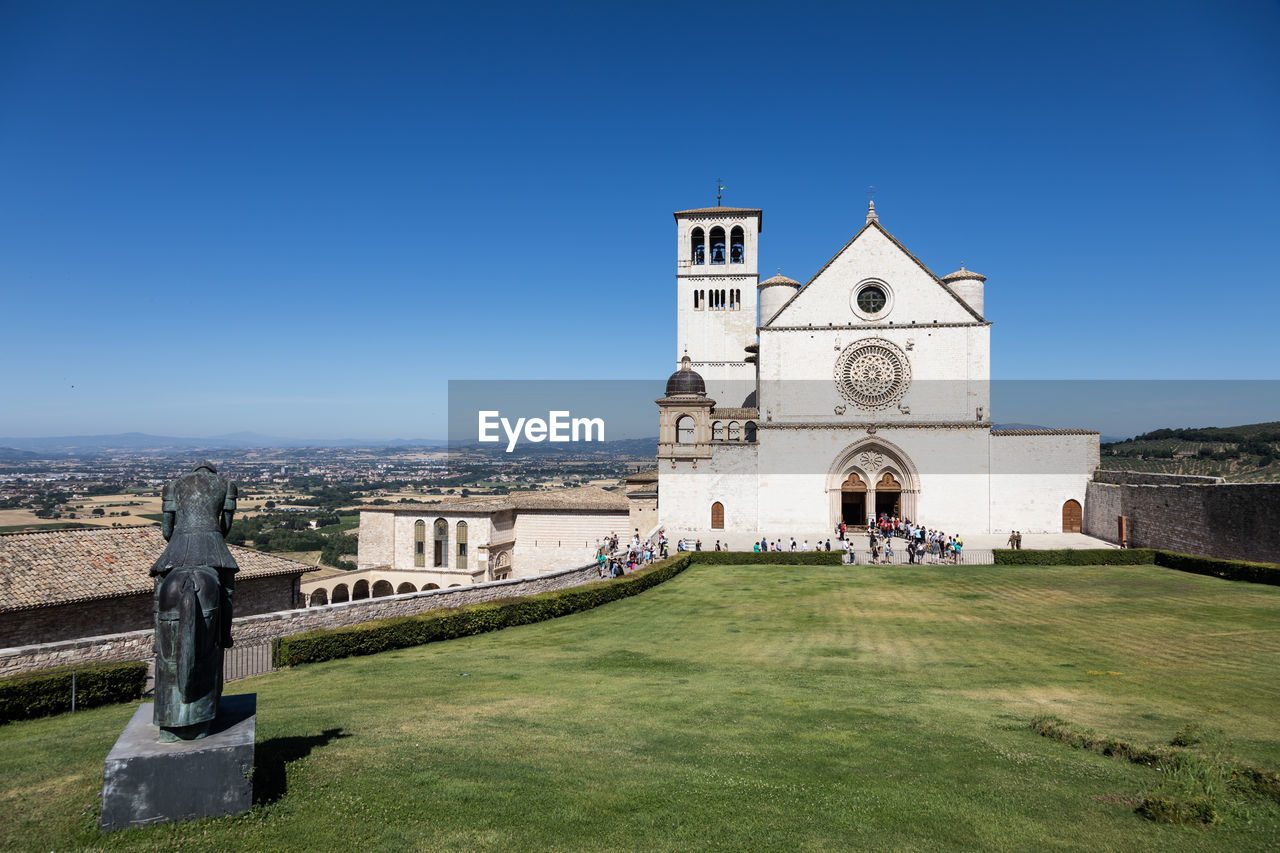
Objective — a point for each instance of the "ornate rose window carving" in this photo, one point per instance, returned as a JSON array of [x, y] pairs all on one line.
[[872, 374]]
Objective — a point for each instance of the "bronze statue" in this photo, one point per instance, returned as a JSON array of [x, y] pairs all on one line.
[[195, 581]]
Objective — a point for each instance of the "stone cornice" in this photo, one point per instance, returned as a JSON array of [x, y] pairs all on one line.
[[872, 428], [867, 327]]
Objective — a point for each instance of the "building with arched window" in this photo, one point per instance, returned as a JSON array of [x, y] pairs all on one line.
[[458, 541], [864, 392]]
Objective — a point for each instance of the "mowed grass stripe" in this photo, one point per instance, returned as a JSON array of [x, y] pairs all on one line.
[[743, 708]]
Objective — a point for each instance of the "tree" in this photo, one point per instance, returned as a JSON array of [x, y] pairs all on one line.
[[99, 511]]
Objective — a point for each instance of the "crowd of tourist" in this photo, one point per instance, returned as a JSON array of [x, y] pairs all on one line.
[[920, 544], [614, 562]]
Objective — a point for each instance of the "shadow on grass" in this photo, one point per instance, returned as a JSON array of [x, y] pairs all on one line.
[[270, 781]]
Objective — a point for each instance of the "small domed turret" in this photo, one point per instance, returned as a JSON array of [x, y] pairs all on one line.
[[773, 294], [968, 285], [686, 381]]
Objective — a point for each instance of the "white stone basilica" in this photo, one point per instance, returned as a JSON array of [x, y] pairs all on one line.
[[865, 391]]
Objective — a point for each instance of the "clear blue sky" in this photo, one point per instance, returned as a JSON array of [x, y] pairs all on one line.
[[302, 218]]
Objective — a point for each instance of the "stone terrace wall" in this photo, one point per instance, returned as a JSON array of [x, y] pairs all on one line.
[[1231, 520], [1140, 478], [253, 630]]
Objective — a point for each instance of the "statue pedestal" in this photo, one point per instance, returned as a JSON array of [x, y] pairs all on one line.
[[145, 782]]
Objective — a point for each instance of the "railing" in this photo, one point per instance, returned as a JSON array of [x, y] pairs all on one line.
[[244, 661], [975, 557]]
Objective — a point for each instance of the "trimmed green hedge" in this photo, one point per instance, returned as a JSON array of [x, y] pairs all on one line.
[[1235, 570], [48, 692], [1074, 557], [384, 634], [1232, 570]]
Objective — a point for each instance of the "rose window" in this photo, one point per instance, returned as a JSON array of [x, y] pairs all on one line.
[[873, 374]]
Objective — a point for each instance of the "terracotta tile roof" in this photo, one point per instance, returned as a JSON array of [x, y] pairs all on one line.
[[587, 498], [961, 274], [53, 567], [779, 279], [730, 211], [648, 475]]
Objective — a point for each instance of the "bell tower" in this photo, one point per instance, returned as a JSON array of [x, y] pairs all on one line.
[[717, 251]]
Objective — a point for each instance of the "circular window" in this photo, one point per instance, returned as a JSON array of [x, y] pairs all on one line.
[[871, 300], [872, 374]]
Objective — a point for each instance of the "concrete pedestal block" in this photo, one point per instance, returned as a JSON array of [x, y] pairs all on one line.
[[145, 782]]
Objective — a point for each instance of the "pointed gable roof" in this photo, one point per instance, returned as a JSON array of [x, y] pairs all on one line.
[[875, 223]]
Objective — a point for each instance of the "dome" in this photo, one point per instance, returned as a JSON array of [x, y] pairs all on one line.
[[779, 279], [686, 381], [962, 273]]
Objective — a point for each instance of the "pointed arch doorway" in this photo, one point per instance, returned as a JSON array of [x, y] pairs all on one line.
[[888, 497], [853, 501], [869, 478]]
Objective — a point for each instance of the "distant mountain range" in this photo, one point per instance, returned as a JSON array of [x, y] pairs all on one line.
[[140, 441]]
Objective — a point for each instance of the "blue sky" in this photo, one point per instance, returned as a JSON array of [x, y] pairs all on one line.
[[304, 218]]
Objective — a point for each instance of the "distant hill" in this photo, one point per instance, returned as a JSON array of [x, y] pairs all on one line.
[[142, 442], [12, 454], [1248, 453]]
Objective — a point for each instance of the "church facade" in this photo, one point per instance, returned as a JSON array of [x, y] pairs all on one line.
[[864, 392]]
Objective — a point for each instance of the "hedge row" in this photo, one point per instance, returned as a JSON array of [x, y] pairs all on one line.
[[1235, 570], [1232, 570], [1075, 557], [48, 692], [372, 637]]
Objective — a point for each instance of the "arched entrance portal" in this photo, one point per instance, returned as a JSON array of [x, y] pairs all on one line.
[[853, 501], [870, 478]]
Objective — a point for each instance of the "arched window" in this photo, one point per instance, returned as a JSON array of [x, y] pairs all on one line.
[[737, 251], [697, 247], [431, 586], [739, 299], [360, 591], [462, 544], [319, 598], [717, 516], [717, 431], [419, 544], [441, 555], [750, 431], [382, 588], [405, 587], [733, 305], [684, 430], [341, 594], [717, 245], [723, 301], [696, 303], [735, 433]]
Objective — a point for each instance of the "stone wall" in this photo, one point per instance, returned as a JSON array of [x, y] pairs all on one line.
[[261, 628], [131, 613], [1140, 478], [1229, 520]]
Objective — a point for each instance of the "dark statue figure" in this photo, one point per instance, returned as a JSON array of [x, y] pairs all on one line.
[[195, 580]]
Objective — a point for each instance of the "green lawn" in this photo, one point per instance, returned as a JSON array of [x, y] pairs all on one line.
[[743, 708]]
